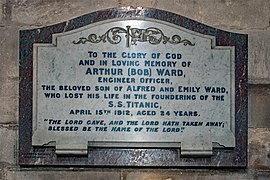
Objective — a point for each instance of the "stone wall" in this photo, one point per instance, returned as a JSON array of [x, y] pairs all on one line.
[[244, 16]]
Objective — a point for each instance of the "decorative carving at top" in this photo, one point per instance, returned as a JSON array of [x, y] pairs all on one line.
[[133, 35]]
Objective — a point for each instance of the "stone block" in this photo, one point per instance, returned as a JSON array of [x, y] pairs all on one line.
[[259, 53], [259, 105], [259, 149], [2, 2], [187, 175], [240, 14], [7, 145], [8, 110], [40, 12], [47, 175], [9, 66], [9, 73], [9, 87], [228, 13]]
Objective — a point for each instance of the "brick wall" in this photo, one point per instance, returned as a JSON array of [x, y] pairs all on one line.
[[244, 16]]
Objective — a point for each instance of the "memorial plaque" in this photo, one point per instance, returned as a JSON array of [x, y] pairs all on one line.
[[133, 87]]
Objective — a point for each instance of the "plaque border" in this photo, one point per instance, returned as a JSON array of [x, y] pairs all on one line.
[[131, 157]]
